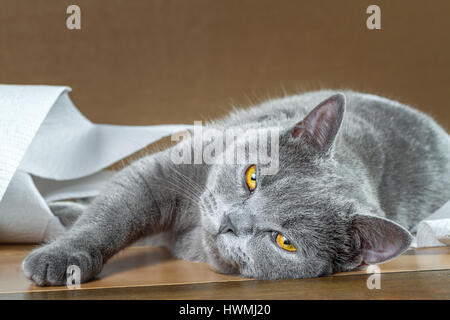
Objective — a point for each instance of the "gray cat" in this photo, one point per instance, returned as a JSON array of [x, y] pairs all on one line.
[[355, 172]]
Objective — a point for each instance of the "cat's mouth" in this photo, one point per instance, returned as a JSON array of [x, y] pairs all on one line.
[[228, 267], [230, 250], [221, 255], [221, 263]]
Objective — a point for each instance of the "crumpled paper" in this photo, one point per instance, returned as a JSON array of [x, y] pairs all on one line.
[[49, 151]]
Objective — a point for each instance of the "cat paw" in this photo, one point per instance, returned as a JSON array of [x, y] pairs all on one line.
[[49, 265]]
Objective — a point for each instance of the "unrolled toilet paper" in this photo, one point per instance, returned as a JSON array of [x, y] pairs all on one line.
[[49, 151], [434, 231]]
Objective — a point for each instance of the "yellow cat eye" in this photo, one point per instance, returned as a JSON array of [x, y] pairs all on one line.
[[250, 177], [284, 242]]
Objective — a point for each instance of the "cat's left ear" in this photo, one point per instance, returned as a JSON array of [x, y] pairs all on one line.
[[319, 128], [378, 239]]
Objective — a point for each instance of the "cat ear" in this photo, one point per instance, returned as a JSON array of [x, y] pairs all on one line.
[[320, 127], [378, 239]]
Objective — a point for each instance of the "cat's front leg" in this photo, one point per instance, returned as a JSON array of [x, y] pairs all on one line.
[[133, 204]]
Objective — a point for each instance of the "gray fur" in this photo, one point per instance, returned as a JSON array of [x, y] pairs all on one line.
[[341, 195]]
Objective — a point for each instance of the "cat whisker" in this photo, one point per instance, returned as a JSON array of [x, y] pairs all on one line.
[[210, 199], [194, 185], [188, 181]]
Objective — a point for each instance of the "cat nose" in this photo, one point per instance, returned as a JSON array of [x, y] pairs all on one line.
[[227, 226]]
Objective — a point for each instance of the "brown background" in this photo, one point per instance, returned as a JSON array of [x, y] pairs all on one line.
[[166, 61]]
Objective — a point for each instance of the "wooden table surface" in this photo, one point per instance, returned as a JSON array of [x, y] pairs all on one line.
[[151, 273]]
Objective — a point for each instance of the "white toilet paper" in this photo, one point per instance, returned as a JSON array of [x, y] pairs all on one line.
[[49, 151], [434, 231]]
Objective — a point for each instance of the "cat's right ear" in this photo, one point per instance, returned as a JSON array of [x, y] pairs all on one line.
[[378, 239], [318, 130]]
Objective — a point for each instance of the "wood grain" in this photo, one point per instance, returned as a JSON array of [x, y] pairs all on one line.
[[138, 267], [400, 285]]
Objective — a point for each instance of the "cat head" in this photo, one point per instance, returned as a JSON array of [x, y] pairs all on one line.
[[306, 220]]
